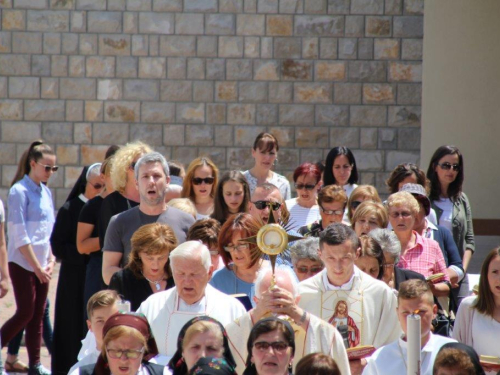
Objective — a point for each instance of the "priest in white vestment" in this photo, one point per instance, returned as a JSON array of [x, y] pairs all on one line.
[[362, 308], [168, 311], [312, 335]]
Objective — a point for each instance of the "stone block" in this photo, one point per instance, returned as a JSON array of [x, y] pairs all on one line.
[[328, 48], [405, 72], [348, 48], [319, 26], [30, 4], [92, 154], [11, 109], [50, 88], [369, 160], [3, 87], [405, 116], [226, 91], [216, 154], [239, 158], [365, 48], [354, 26], [196, 68], [368, 138], [291, 6], [219, 24], [94, 111], [313, 92], [48, 21], [252, 47], [237, 69], [69, 44], [59, 65], [82, 133], [154, 45], [412, 49], [141, 89], [206, 46], [250, 6], [158, 112], [130, 22], [266, 70], [379, 93], [309, 155], [367, 6], [216, 114], [5, 42], [20, 132], [296, 114], [223, 135], [167, 5], [244, 136], [139, 5], [156, 23], [74, 110], [114, 45], [78, 21], [26, 42], [310, 48], [230, 6], [230, 46], [150, 134], [176, 91], [7, 153], [330, 71], [104, 22], [177, 45], [140, 45], [393, 7], [51, 43], [266, 48], [189, 23], [267, 6], [394, 158], [339, 6], [126, 66], [347, 93], [414, 7], [78, 88], [200, 6], [121, 112], [152, 67], [281, 25], [367, 71], [368, 115], [408, 26], [184, 154], [296, 70], [252, 92], [190, 113], [311, 136], [90, 5], [267, 114], [378, 26], [216, 69], [117, 4], [387, 139], [409, 139], [243, 114], [88, 44], [409, 94], [24, 87], [98, 66], [289, 159], [14, 65], [176, 68], [287, 48], [332, 115], [280, 92], [104, 132], [199, 135], [44, 110], [348, 137], [13, 19], [203, 91], [386, 49], [284, 135], [57, 132], [315, 6]]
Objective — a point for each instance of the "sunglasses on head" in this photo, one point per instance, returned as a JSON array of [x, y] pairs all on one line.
[[49, 168], [199, 180], [304, 186], [260, 205], [355, 204], [447, 166]]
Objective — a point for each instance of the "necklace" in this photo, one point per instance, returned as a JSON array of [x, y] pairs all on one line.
[[156, 283]]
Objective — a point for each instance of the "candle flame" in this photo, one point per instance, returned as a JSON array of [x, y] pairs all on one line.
[[416, 312]]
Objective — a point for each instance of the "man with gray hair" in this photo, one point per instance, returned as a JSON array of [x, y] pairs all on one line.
[[152, 179], [192, 296], [311, 333]]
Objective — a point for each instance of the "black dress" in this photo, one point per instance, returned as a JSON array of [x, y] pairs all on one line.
[[68, 322], [133, 289]]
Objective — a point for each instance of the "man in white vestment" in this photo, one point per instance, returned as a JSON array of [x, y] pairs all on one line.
[[362, 308], [312, 334], [168, 311]]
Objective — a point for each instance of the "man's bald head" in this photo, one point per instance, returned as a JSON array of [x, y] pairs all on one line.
[[285, 278]]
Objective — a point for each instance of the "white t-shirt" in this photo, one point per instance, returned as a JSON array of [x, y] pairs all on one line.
[[300, 216], [277, 180], [446, 219]]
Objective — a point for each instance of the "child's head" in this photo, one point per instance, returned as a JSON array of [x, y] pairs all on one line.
[[416, 295], [100, 307], [453, 361]]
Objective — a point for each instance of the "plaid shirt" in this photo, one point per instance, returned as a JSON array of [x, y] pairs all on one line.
[[425, 258]]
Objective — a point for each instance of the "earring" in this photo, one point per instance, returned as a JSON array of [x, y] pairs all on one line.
[[290, 368]]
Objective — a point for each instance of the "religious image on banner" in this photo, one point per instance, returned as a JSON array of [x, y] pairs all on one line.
[[345, 324]]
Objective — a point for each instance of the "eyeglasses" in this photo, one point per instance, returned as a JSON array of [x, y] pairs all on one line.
[[304, 186], [314, 269], [240, 247], [96, 186], [49, 168], [278, 346], [260, 205], [403, 214], [355, 204], [447, 166], [332, 212], [199, 180], [129, 353]]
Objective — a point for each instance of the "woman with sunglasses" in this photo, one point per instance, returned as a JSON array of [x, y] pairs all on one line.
[[265, 153], [340, 169], [198, 185], [232, 196], [304, 209], [242, 259], [446, 175], [31, 262], [305, 258]]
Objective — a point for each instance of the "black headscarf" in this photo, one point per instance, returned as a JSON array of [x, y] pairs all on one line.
[[212, 366], [177, 364], [469, 351], [80, 184]]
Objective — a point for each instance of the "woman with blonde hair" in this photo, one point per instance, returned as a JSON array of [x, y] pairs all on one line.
[[199, 184], [359, 195], [368, 216], [147, 271]]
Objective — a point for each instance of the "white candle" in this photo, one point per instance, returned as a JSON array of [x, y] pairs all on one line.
[[124, 306], [413, 341]]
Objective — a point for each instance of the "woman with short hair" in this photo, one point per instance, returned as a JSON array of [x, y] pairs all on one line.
[[359, 195], [305, 258], [369, 216]]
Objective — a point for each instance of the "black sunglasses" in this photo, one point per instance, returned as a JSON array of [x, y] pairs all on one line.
[[199, 180], [132, 165], [97, 186], [260, 205], [49, 168], [447, 166], [304, 186], [355, 204]]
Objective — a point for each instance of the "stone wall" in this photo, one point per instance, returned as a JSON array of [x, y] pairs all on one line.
[[194, 77]]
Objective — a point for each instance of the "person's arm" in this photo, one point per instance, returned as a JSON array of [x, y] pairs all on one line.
[[43, 275], [84, 242], [110, 265], [439, 289], [112, 250], [470, 246], [4, 270]]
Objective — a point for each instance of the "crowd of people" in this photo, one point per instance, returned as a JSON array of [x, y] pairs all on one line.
[[159, 273]]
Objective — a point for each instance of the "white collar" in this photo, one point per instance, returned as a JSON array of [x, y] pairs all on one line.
[[83, 198], [347, 286], [430, 225], [200, 306], [428, 347]]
